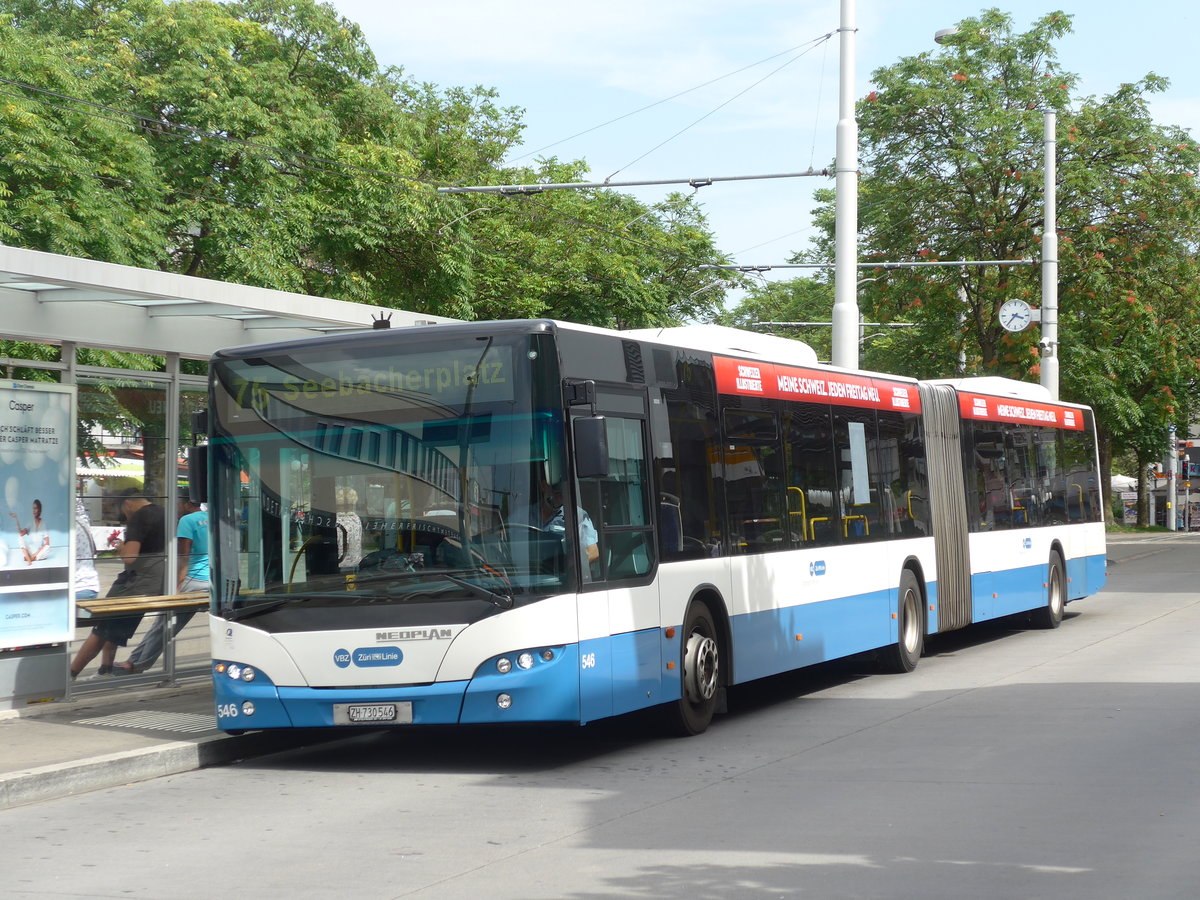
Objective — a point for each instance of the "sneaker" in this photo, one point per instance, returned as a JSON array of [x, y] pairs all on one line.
[[102, 672]]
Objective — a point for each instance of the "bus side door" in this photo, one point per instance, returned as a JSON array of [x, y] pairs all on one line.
[[620, 655]]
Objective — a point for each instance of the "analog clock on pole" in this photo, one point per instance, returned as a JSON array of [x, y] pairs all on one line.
[[1015, 315]]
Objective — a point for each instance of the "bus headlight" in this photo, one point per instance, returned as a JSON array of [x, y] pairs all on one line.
[[248, 708], [504, 665], [525, 660], [247, 674], [504, 701]]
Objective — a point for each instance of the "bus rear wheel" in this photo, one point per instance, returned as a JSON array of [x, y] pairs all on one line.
[[904, 655], [1050, 615], [700, 656]]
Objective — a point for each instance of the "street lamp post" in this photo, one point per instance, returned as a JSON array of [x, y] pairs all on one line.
[[1172, 478]]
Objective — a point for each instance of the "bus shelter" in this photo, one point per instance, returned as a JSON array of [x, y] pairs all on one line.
[[83, 434]]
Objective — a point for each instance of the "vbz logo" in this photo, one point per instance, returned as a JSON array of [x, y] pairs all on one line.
[[341, 658], [1027, 543], [816, 567]]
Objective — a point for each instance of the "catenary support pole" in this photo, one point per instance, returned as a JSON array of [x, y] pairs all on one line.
[[845, 302], [1049, 342]]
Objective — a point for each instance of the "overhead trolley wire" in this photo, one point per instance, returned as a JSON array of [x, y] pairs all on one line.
[[815, 43], [676, 96]]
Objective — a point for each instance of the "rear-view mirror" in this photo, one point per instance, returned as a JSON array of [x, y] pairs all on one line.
[[591, 447], [198, 473]]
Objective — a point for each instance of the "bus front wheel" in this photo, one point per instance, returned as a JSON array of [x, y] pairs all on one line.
[[700, 656], [904, 655], [1050, 615]]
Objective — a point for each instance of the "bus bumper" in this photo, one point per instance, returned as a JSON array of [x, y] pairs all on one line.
[[546, 692]]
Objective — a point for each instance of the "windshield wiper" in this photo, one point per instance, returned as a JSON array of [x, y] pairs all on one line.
[[270, 602], [265, 606], [503, 601]]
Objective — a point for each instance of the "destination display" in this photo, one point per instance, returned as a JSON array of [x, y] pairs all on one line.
[[1020, 412], [780, 382]]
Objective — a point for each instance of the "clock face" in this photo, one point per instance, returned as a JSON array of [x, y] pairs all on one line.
[[1015, 315]]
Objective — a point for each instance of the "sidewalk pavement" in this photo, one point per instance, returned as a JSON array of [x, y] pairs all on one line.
[[113, 732], [1126, 547], [121, 733]]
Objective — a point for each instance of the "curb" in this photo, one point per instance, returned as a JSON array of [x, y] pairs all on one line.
[[61, 780], [66, 779]]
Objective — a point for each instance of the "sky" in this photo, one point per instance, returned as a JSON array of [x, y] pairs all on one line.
[[573, 65]]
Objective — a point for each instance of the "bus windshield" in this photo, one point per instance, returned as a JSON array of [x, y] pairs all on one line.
[[388, 472]]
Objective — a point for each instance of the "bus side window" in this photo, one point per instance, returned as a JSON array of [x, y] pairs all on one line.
[[858, 480], [754, 480], [619, 506], [694, 476], [811, 474], [904, 484], [990, 486]]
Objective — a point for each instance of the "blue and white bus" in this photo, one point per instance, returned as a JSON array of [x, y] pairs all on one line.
[[724, 508]]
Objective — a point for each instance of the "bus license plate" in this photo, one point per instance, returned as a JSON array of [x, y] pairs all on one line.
[[399, 713]]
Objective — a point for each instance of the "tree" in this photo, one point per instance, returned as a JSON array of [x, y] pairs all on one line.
[[73, 179], [259, 142], [794, 300], [952, 164], [594, 256]]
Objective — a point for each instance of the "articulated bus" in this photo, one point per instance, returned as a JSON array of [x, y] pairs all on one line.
[[534, 521]]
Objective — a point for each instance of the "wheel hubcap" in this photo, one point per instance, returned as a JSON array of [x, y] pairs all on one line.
[[1056, 593], [912, 634], [700, 668]]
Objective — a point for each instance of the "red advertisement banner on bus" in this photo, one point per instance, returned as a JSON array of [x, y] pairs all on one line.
[[779, 382], [1021, 412]]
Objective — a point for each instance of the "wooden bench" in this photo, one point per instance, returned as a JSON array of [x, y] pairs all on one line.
[[86, 611]]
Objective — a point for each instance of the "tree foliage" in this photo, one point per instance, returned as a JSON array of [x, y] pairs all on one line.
[[260, 142], [796, 300], [73, 179], [593, 256]]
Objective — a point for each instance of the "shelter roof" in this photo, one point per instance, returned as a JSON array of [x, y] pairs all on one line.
[[49, 298]]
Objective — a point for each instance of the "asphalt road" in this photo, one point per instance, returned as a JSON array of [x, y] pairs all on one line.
[[1011, 763]]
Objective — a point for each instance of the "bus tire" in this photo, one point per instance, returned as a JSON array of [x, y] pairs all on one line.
[[904, 655], [700, 673], [1050, 615]]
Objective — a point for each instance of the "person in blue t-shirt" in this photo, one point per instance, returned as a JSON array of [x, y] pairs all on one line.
[[193, 575], [551, 517]]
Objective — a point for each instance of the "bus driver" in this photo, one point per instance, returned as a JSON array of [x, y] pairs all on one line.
[[551, 517]]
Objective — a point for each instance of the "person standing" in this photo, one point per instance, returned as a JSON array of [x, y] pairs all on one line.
[[192, 575], [144, 575], [87, 579]]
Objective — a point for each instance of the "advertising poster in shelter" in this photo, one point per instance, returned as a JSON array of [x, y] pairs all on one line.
[[37, 441]]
